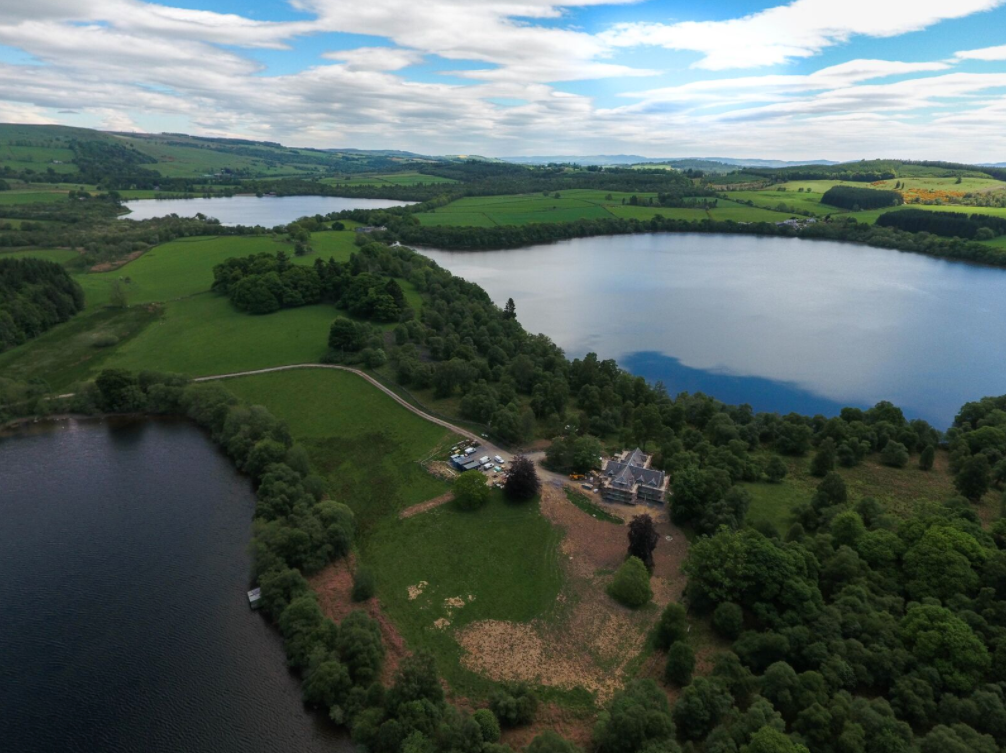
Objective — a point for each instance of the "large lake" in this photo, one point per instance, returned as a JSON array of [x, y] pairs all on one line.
[[783, 324], [124, 561], [267, 211]]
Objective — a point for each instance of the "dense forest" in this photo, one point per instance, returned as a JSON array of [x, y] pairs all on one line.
[[854, 198], [34, 296], [947, 224]]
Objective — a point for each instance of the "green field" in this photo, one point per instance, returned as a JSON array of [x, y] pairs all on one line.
[[30, 197], [365, 443], [501, 561], [205, 335], [394, 179], [76, 350], [58, 255]]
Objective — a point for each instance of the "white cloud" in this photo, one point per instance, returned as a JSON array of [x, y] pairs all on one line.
[[986, 53], [376, 58], [800, 29]]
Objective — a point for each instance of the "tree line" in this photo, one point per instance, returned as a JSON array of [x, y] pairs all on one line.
[[854, 198], [35, 295], [947, 224]]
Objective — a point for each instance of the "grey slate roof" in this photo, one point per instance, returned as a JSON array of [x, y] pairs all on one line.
[[627, 473]]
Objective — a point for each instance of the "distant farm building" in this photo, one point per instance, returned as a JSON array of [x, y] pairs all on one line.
[[629, 478], [370, 228]]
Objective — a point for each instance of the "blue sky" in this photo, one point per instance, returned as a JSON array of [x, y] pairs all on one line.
[[803, 79]]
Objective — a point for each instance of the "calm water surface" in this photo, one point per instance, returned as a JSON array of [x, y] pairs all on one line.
[[267, 211], [123, 572], [783, 324]]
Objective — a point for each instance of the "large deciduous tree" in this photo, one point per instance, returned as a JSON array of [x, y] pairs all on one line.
[[643, 538]]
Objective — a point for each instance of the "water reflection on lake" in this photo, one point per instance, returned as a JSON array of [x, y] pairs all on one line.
[[780, 323]]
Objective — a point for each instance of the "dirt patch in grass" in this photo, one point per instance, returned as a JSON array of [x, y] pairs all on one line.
[[429, 504], [334, 587], [441, 469], [588, 640], [108, 266]]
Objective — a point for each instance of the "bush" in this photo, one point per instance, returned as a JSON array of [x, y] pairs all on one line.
[[927, 457], [550, 741], [894, 454], [514, 704], [671, 627], [106, 340], [631, 586], [470, 490], [680, 664], [776, 470], [363, 584], [728, 620], [489, 725]]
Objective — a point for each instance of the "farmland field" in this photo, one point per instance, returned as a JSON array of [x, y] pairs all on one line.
[[395, 179], [58, 255]]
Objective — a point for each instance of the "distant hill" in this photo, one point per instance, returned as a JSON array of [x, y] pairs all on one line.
[[50, 152], [635, 159]]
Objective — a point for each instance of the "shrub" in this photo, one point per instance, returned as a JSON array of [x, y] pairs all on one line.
[[671, 627], [927, 457], [631, 586], [514, 704], [776, 470], [728, 620], [489, 725], [550, 741], [106, 340], [680, 664], [894, 454], [363, 584], [470, 490]]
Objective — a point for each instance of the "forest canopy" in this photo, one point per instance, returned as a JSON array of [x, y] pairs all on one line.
[[34, 296]]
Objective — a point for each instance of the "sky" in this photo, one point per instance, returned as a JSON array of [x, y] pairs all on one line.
[[806, 79]]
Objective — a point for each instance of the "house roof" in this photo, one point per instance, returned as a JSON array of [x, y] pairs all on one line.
[[627, 473]]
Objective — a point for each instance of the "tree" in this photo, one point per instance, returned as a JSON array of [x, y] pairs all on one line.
[[360, 647], [959, 738], [940, 639], [489, 725], [514, 704], [643, 538], [363, 584], [728, 620], [326, 684], [894, 454], [637, 715], [631, 584], [550, 741], [776, 470], [470, 490], [117, 296], [700, 708], [345, 334], [672, 626], [824, 461], [522, 481], [680, 664], [972, 481], [416, 680], [927, 457], [771, 740], [510, 309]]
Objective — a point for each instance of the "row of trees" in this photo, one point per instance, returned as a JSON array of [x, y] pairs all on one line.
[[855, 198], [980, 227], [34, 296]]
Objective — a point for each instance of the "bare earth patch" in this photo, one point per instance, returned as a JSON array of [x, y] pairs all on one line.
[[417, 590], [589, 639], [429, 504], [334, 586]]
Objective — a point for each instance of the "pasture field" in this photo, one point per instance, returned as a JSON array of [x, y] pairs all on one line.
[[58, 255], [497, 563], [30, 197], [78, 349], [900, 490], [770, 199], [394, 179], [365, 443], [184, 267], [205, 335]]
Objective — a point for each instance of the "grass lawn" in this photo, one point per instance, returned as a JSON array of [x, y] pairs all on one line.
[[368, 446], [205, 335], [590, 507], [501, 562], [58, 255], [30, 197], [68, 352]]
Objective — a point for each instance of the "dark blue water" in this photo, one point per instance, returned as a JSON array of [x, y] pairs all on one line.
[[123, 578], [782, 324], [267, 211]]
